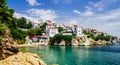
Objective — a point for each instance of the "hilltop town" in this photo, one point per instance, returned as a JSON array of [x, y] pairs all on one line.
[[57, 33]]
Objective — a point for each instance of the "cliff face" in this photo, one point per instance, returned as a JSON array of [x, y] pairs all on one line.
[[6, 47], [82, 41], [9, 54], [77, 41], [23, 59]]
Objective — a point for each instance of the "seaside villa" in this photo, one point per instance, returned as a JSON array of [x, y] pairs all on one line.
[[42, 40]]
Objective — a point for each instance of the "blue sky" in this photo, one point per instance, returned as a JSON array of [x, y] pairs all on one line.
[[103, 15]]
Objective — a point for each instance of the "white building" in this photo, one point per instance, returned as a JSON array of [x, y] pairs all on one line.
[[77, 30], [43, 40], [51, 30], [37, 24], [60, 25]]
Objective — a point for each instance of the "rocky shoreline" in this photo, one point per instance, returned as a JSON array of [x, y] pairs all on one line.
[[10, 55], [84, 41], [23, 59]]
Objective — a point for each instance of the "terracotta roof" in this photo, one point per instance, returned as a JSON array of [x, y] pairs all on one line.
[[76, 26], [49, 21], [39, 37]]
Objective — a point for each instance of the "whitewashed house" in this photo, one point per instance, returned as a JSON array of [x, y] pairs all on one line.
[[77, 30], [51, 30], [43, 40], [60, 25], [37, 24]]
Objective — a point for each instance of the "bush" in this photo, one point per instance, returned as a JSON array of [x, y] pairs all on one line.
[[2, 30], [59, 37], [0, 39], [18, 34], [52, 40]]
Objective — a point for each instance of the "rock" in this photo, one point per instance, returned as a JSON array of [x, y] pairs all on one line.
[[23, 59], [89, 42], [62, 43], [100, 42], [74, 42], [6, 49]]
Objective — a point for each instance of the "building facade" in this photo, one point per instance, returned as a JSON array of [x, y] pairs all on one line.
[[77, 30], [51, 30]]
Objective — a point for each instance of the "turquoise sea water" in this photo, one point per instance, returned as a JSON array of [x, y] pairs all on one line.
[[78, 55]]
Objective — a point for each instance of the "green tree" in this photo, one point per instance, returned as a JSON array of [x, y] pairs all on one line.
[[22, 22], [29, 25], [59, 37], [67, 39], [100, 37], [18, 34], [38, 31], [91, 36], [0, 40], [60, 29], [43, 27], [32, 32], [107, 38], [2, 30], [52, 40]]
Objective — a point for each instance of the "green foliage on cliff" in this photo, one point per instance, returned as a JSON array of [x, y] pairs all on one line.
[[43, 27], [22, 23], [2, 29], [52, 40], [6, 17], [60, 29], [98, 37], [0, 39], [18, 34], [59, 37], [35, 31]]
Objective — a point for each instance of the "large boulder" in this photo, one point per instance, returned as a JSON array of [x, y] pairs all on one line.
[[62, 43], [74, 42], [7, 49], [23, 59], [100, 42]]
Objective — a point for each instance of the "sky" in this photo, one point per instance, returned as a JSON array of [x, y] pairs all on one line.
[[103, 15]]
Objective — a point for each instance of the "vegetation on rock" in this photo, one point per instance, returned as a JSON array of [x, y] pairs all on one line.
[[60, 29], [35, 31], [99, 36], [59, 37]]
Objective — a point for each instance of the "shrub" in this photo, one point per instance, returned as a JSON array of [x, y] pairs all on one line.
[[59, 37], [0, 39]]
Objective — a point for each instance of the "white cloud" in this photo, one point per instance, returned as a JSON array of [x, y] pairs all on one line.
[[87, 13], [19, 15], [73, 22], [33, 2], [88, 8], [56, 1], [42, 14], [36, 14], [77, 12], [102, 4], [63, 1], [107, 22]]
